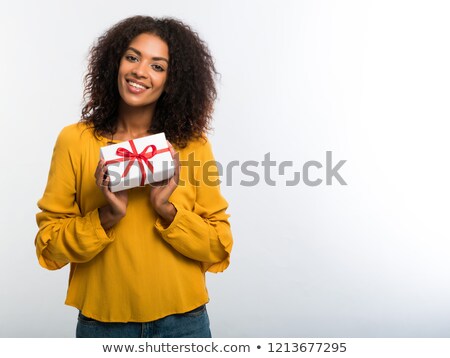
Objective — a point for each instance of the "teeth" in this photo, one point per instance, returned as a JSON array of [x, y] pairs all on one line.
[[136, 85]]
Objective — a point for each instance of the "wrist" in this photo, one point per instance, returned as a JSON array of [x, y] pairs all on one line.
[[115, 214], [109, 218], [168, 213]]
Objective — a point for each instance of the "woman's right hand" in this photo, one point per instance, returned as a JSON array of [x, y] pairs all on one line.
[[117, 202]]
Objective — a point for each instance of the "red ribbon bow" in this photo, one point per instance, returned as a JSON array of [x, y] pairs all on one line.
[[142, 157]]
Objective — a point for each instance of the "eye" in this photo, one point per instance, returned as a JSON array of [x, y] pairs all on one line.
[[158, 68], [131, 58]]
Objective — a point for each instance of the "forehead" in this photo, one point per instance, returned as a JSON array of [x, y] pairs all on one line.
[[150, 45]]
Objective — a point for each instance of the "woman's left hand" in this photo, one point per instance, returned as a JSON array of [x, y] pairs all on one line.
[[160, 192]]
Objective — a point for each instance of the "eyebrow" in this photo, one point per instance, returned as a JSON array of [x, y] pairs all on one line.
[[153, 58]]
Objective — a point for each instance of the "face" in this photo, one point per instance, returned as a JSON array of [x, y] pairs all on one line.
[[143, 71]]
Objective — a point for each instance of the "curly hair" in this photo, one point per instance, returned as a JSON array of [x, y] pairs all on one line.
[[184, 109]]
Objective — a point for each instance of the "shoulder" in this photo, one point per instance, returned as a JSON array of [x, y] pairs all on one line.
[[75, 134], [73, 141], [78, 130], [200, 147]]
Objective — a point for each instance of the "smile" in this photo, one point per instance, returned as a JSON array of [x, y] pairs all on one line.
[[136, 85]]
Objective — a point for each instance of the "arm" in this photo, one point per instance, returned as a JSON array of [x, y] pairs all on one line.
[[65, 235], [202, 234]]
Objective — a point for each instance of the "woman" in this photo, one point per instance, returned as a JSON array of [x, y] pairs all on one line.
[[138, 257]]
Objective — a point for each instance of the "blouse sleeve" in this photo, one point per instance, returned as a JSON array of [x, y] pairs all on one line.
[[64, 235], [203, 234]]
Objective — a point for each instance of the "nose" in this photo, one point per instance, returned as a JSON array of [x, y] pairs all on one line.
[[140, 70]]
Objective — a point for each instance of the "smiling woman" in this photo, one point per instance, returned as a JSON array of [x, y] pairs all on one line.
[[175, 51], [138, 257], [143, 72]]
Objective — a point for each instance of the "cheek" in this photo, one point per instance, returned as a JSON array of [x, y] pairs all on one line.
[[123, 70], [119, 76], [163, 81], [119, 85]]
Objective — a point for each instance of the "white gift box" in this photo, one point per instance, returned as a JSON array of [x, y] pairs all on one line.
[[138, 162]]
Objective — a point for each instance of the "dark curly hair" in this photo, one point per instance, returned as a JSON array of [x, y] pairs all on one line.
[[184, 109]]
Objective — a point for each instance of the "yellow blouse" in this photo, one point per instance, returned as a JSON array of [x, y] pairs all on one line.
[[138, 271]]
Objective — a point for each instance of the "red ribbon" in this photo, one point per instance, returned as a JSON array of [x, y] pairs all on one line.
[[142, 157]]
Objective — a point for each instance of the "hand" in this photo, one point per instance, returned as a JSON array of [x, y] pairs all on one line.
[[160, 192], [117, 202]]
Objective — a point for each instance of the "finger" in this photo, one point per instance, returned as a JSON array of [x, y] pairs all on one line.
[[165, 188], [101, 175], [159, 183], [171, 148], [105, 187], [98, 169], [176, 160], [101, 168], [173, 184], [99, 178]]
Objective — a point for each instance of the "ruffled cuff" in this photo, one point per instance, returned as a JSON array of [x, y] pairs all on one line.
[[56, 261], [102, 235], [188, 223], [166, 230]]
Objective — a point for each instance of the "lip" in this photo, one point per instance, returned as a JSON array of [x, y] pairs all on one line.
[[134, 89]]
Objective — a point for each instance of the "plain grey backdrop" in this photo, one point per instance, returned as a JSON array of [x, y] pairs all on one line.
[[367, 80]]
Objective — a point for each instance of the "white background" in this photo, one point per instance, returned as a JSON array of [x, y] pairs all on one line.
[[367, 80]]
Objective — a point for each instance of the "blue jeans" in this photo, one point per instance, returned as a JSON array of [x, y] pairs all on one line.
[[192, 324]]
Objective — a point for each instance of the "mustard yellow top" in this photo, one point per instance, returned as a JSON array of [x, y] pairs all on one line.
[[138, 271]]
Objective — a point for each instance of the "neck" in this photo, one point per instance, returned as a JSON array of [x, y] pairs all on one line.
[[134, 122]]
